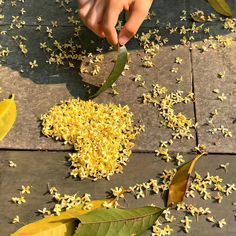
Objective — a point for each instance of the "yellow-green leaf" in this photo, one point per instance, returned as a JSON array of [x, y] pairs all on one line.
[[117, 222], [7, 116], [62, 225], [222, 7], [179, 183], [116, 71]]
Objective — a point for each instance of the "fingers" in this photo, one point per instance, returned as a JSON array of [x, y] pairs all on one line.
[[111, 15], [138, 12], [91, 14], [101, 17], [94, 18], [82, 3], [84, 9]]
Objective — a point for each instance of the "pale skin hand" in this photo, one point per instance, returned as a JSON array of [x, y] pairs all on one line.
[[101, 17]]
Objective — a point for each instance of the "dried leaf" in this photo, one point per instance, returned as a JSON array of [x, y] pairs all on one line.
[[222, 7], [116, 71], [62, 225], [7, 116], [178, 185], [110, 222]]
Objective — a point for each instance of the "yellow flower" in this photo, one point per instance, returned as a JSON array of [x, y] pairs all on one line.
[[33, 64], [25, 189], [221, 223], [102, 136], [12, 164], [178, 60], [16, 220], [218, 198]]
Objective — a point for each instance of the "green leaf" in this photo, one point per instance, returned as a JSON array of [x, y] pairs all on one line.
[[7, 116], [222, 7], [110, 222], [63, 225], [116, 71], [179, 183]]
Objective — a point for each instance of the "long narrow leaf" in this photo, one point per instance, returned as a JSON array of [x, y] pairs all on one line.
[[222, 7], [179, 183], [117, 222], [116, 71], [63, 225], [7, 116]]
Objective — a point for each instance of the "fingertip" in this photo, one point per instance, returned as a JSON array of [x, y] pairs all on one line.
[[126, 34], [101, 34], [111, 35], [114, 43], [123, 40]]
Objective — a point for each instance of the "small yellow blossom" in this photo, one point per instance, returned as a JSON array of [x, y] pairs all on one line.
[[25, 189], [222, 97], [44, 211], [137, 77], [218, 198], [11, 164], [221, 223], [18, 200], [224, 166], [221, 75], [174, 70], [178, 60], [186, 221], [211, 219], [16, 220], [33, 64]]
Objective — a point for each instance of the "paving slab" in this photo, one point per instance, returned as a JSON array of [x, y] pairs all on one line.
[[166, 12], [130, 93], [51, 11], [61, 83], [206, 66], [40, 168], [205, 81], [36, 90]]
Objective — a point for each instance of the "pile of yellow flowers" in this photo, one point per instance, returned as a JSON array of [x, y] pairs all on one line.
[[102, 135]]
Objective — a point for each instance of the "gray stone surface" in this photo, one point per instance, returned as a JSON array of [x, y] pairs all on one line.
[[36, 90], [39, 89], [205, 81], [206, 66], [50, 11], [166, 12], [130, 93], [40, 168]]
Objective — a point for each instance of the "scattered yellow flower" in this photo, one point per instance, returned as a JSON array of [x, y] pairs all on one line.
[[16, 220], [11, 164], [33, 64]]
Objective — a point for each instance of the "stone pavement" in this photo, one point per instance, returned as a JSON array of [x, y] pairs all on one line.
[[41, 160]]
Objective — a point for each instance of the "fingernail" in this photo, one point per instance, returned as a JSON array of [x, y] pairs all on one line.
[[123, 40]]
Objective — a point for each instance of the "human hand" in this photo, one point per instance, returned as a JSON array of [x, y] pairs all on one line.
[[101, 17]]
